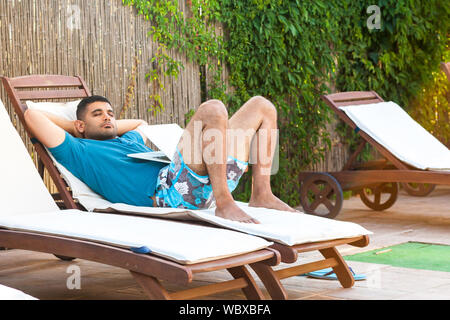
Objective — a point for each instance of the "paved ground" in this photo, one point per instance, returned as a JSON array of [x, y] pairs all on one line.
[[410, 219]]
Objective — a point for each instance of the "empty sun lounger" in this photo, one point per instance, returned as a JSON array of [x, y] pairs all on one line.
[[411, 154], [151, 249], [293, 233]]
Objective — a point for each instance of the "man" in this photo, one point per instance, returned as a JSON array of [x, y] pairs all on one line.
[[95, 146]]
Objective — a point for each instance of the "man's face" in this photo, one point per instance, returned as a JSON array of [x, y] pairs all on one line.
[[99, 122]]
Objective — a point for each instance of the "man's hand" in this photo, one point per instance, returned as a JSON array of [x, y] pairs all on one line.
[[125, 125]]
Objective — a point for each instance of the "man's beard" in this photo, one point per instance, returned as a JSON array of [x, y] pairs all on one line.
[[101, 135]]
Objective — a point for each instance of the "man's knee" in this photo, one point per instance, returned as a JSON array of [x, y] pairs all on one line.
[[263, 105], [213, 111]]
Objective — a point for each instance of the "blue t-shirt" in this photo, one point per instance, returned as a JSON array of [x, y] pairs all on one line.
[[105, 167]]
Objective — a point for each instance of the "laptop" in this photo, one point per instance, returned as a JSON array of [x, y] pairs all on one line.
[[165, 137], [158, 156]]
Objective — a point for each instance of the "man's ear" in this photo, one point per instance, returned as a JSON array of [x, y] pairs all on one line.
[[80, 127]]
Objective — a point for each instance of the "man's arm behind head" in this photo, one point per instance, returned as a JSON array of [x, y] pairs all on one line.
[[48, 128]]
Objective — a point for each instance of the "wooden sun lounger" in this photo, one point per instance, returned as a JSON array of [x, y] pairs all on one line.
[[149, 270], [376, 177], [46, 87], [73, 88], [290, 254]]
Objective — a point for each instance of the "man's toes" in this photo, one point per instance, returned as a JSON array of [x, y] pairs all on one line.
[[255, 221], [244, 220], [251, 220]]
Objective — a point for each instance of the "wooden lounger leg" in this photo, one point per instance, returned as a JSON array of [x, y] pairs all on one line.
[[151, 286], [341, 270], [271, 281], [251, 291]]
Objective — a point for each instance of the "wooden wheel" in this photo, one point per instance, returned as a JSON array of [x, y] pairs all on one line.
[[321, 195], [418, 189], [379, 197]]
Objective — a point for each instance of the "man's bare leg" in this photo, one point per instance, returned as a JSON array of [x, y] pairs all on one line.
[[260, 116], [211, 117]]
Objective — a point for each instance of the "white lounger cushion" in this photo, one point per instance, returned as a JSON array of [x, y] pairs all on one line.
[[181, 242], [389, 125], [285, 227], [67, 110], [7, 293], [288, 228]]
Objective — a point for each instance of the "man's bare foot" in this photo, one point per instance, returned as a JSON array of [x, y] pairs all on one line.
[[231, 211], [269, 201]]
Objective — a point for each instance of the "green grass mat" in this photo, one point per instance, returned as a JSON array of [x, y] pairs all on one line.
[[413, 255]]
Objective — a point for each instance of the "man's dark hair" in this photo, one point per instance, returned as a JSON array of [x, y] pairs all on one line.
[[81, 109]]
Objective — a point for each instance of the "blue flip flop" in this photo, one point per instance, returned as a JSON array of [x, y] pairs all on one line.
[[329, 274]]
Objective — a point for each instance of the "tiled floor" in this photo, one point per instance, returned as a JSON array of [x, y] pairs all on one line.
[[410, 219]]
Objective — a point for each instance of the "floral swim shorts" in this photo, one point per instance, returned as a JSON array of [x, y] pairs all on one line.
[[180, 187]]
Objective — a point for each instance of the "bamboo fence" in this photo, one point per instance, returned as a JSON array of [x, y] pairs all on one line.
[[105, 42]]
